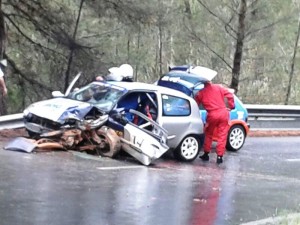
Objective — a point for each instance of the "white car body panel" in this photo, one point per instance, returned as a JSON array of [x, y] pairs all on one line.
[[141, 145]]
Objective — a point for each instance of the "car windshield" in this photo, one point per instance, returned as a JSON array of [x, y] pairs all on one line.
[[102, 95]]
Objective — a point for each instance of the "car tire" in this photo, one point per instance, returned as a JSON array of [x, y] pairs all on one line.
[[236, 138], [188, 149]]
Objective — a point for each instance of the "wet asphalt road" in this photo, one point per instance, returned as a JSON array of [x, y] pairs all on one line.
[[62, 188]]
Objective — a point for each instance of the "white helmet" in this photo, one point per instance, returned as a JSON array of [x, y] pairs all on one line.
[[115, 74], [3, 62], [126, 70]]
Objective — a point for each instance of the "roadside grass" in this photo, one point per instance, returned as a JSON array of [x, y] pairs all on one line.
[[282, 218], [288, 218]]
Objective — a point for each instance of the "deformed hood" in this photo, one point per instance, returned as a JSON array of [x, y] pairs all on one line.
[[59, 109]]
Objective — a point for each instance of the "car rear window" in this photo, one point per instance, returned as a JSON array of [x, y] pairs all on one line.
[[172, 76]]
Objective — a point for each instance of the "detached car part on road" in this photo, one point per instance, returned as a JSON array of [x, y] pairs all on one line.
[[190, 80], [147, 119]]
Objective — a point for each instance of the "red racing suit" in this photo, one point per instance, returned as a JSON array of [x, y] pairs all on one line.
[[212, 97]]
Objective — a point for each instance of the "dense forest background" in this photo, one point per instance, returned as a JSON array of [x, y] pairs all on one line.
[[253, 44]]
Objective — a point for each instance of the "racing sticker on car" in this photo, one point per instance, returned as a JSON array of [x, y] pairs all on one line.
[[240, 115], [173, 79]]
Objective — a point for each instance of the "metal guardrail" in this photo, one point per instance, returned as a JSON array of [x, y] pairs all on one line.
[[260, 116], [277, 111], [274, 117], [11, 121]]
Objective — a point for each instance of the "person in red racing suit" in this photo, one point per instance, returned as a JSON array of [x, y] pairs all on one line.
[[212, 97]]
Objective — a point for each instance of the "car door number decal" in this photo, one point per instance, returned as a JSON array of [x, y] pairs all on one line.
[[138, 141]]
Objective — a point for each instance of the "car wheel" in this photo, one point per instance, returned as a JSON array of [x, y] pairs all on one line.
[[188, 149], [236, 138]]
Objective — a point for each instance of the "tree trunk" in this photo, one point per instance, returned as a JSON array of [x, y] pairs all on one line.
[[138, 53], [237, 60], [188, 10], [71, 55], [128, 47], [3, 106], [292, 65], [160, 47]]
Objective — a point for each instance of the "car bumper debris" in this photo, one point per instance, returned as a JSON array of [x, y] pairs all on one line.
[[101, 140]]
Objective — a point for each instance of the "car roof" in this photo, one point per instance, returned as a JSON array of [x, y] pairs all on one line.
[[140, 86]]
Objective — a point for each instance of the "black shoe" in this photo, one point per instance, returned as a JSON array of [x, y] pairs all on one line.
[[219, 159], [204, 157]]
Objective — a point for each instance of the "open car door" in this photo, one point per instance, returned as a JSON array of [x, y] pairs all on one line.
[[143, 144], [71, 85]]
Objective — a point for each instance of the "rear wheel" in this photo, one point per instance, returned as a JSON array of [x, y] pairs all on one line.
[[236, 138], [188, 149]]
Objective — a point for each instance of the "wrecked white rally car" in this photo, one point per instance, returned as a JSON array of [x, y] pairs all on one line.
[[145, 120]]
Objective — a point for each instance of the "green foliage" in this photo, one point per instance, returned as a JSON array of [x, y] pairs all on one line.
[[43, 46]]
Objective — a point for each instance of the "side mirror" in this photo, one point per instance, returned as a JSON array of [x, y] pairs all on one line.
[[57, 94]]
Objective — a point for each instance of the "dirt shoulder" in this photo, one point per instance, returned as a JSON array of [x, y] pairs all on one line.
[[12, 133], [273, 133]]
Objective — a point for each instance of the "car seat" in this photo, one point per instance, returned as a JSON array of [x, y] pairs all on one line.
[[147, 108], [130, 101]]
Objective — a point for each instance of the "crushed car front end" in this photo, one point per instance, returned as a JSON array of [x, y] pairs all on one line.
[[92, 102]]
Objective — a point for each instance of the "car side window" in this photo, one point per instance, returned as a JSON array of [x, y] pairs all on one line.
[[143, 102], [175, 106]]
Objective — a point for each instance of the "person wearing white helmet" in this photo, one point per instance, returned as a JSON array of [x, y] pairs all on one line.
[[122, 73], [3, 63], [115, 74], [127, 72]]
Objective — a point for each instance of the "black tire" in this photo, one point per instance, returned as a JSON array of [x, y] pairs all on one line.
[[236, 138], [188, 149]]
